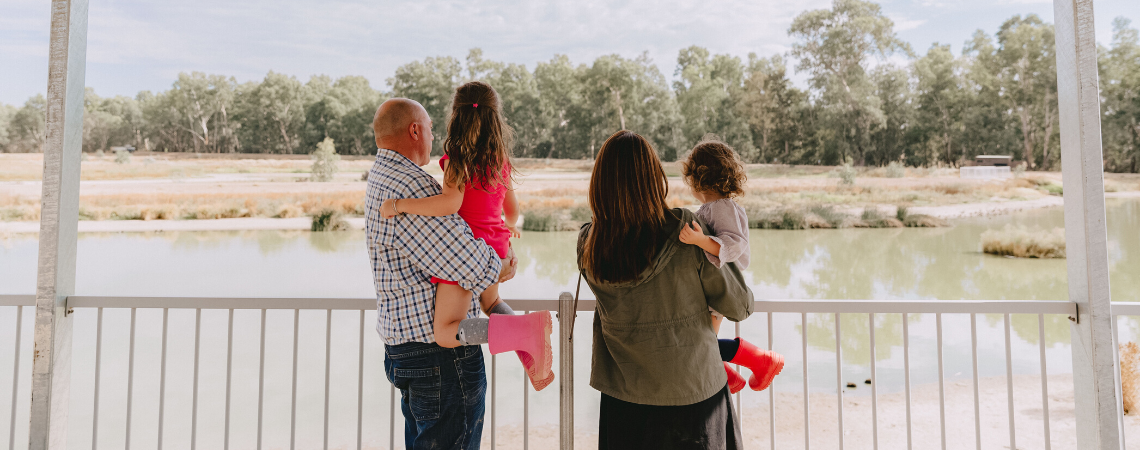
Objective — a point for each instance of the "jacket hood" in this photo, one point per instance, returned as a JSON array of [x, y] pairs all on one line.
[[674, 218]]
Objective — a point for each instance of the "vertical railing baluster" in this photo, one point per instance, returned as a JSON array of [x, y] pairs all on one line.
[[229, 375], [1009, 385], [162, 379], [526, 408], [807, 403], [771, 393], [15, 378], [493, 392], [328, 363], [130, 382], [906, 378], [261, 382], [839, 375], [1116, 360], [739, 404], [1045, 379], [194, 408], [360, 387], [293, 396], [874, 389], [98, 367], [392, 417], [977, 397], [941, 381]]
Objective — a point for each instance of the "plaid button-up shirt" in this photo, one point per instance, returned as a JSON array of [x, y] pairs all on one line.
[[406, 251]]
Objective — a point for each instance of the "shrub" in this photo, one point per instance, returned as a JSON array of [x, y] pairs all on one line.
[[324, 161], [896, 170], [1019, 170], [1130, 376], [329, 220], [1023, 243], [847, 173], [122, 157]]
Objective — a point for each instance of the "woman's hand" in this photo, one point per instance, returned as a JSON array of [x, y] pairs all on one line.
[[691, 233], [388, 208], [514, 231]]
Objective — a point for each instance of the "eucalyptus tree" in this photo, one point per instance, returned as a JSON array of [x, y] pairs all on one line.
[[272, 114], [431, 82], [774, 108], [564, 108], [890, 141], [709, 91], [939, 104], [1027, 73], [985, 113], [28, 127], [1120, 86], [632, 94], [341, 110], [6, 113], [838, 47]]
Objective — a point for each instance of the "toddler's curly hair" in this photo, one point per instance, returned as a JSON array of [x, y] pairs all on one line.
[[713, 166]]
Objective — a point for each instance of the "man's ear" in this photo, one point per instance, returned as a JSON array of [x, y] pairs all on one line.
[[414, 131]]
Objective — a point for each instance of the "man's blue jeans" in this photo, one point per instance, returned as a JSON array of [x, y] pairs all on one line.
[[442, 391]]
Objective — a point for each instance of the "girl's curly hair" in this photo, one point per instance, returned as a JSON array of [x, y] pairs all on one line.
[[713, 166]]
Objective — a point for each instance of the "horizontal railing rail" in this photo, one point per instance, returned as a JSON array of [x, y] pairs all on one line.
[[870, 308]]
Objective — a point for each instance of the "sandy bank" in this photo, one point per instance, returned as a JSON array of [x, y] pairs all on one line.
[[892, 431]]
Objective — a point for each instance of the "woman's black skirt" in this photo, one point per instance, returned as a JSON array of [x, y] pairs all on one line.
[[709, 424]]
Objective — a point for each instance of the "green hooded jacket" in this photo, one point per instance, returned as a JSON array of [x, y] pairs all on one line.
[[653, 338]]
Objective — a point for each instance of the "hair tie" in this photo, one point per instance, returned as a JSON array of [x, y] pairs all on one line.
[[475, 105]]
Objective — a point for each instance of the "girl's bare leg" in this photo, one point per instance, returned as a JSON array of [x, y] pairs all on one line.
[[451, 305], [489, 298]]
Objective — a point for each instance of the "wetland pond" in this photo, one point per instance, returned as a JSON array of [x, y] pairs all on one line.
[[857, 264]]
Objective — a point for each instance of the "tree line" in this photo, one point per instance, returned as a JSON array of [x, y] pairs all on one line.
[[870, 99]]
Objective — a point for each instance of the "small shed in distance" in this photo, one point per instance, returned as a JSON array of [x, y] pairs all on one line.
[[993, 160]]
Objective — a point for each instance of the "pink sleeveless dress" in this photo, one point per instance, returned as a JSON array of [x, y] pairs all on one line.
[[482, 209]]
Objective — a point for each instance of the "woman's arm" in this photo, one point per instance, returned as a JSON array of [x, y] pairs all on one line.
[[511, 211]]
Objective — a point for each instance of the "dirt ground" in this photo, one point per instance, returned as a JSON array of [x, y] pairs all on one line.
[[892, 431]]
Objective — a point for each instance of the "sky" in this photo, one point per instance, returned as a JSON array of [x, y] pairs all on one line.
[[136, 45]]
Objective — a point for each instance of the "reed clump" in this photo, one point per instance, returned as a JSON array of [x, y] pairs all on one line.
[[329, 220], [826, 216], [1130, 376], [1021, 242]]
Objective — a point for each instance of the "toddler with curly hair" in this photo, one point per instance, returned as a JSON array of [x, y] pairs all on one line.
[[715, 175]]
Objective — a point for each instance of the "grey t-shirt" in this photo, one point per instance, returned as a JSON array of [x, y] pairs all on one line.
[[730, 228]]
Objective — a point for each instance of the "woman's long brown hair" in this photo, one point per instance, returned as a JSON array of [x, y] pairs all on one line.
[[478, 143], [627, 196]]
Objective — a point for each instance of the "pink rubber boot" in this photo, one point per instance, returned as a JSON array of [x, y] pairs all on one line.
[[527, 335]]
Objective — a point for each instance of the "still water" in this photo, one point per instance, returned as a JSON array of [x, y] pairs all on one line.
[[944, 263]]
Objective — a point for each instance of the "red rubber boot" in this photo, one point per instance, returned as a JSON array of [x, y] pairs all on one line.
[[528, 335], [735, 381], [764, 364]]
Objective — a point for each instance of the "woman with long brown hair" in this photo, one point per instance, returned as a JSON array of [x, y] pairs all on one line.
[[655, 360]]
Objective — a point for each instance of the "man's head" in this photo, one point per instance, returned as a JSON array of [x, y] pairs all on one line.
[[403, 126]]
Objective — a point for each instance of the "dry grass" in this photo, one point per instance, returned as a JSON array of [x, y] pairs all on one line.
[[1021, 242], [29, 167], [1130, 376], [198, 206]]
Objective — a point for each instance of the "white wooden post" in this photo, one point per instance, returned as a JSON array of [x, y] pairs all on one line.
[[1086, 236], [566, 318], [59, 220]]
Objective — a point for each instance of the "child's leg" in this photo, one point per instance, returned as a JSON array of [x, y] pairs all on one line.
[[489, 298], [451, 304]]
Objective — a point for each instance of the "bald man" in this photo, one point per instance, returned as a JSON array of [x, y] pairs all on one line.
[[442, 389]]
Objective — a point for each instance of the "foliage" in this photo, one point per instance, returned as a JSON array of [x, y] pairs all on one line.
[[1130, 376], [847, 173], [868, 97], [329, 220], [324, 161], [122, 157], [1021, 242], [896, 170]]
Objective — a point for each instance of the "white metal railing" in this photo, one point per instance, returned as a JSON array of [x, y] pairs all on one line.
[[768, 308]]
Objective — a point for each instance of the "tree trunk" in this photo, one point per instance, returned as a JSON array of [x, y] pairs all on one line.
[[1026, 136]]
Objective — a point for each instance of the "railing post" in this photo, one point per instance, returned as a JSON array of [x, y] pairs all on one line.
[[51, 363], [1094, 372], [566, 315]]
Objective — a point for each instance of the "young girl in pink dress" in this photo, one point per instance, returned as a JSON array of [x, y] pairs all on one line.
[[477, 184]]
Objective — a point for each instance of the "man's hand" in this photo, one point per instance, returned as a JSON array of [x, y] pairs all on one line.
[[388, 208], [692, 234], [509, 269]]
